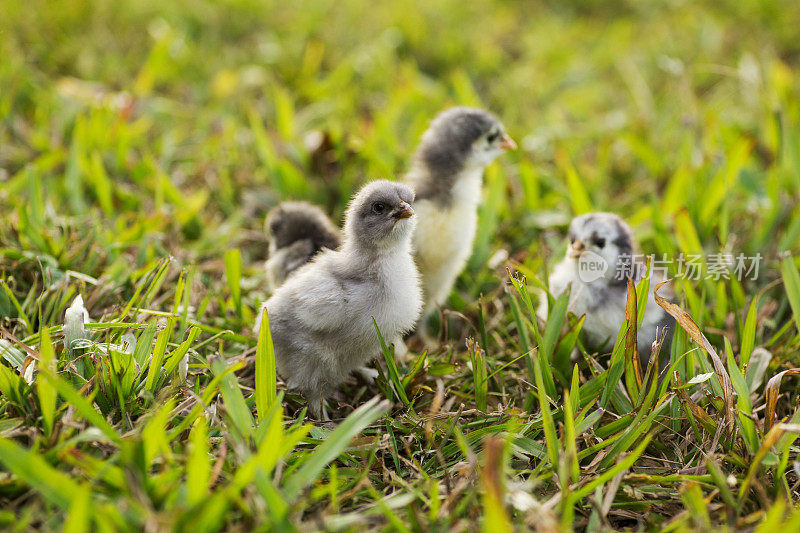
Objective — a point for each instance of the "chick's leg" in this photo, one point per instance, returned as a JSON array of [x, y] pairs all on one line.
[[429, 339], [400, 349], [317, 406], [318, 409], [366, 374]]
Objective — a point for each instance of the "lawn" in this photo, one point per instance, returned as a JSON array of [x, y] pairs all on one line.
[[142, 143]]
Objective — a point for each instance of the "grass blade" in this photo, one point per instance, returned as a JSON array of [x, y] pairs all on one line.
[[46, 391], [55, 487], [743, 405], [333, 445], [553, 445], [198, 467], [791, 280], [266, 375], [156, 360], [479, 380], [177, 355], [391, 365], [495, 518], [233, 398], [609, 474], [233, 273], [80, 512], [81, 405], [748, 335]]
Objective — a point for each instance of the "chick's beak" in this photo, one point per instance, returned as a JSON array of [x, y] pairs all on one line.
[[403, 211], [508, 143], [575, 249]]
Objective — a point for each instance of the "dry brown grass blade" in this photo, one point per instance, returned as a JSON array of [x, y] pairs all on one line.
[[652, 371], [690, 326], [655, 351], [4, 333], [631, 343], [772, 390]]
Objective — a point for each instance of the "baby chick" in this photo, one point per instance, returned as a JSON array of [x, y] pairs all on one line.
[[321, 317], [296, 231], [599, 261], [446, 174]]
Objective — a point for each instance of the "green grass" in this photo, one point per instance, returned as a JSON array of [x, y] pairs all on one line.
[[141, 144]]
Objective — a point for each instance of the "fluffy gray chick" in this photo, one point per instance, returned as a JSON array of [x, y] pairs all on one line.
[[598, 264], [321, 317], [447, 174], [296, 231]]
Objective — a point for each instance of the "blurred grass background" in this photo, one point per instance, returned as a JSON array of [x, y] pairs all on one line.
[[131, 132], [178, 125]]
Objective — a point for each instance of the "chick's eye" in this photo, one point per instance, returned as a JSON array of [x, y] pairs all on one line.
[[600, 243], [378, 207], [493, 137]]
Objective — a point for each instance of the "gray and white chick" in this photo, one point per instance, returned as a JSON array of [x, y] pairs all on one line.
[[296, 232], [321, 317], [600, 258], [447, 174]]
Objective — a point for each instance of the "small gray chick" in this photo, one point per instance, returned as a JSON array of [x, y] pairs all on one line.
[[447, 175], [296, 232], [321, 317], [600, 259]]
